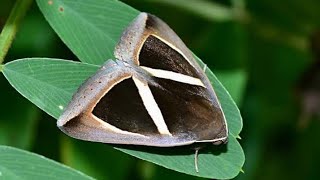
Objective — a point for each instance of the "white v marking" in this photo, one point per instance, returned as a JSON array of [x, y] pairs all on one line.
[[151, 106], [173, 76]]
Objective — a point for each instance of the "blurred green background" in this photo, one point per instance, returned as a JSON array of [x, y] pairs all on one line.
[[267, 55]]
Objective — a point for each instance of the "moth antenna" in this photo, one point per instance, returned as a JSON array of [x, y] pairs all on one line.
[[196, 159]]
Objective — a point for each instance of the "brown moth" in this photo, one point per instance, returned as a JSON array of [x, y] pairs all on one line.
[[153, 94]]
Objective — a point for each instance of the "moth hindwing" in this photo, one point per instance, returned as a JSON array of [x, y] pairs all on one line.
[[153, 94]]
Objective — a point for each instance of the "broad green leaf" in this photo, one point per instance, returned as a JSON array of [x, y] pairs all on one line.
[[19, 164], [214, 162], [50, 83], [90, 29]]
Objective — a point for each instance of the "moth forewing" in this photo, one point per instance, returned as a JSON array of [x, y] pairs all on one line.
[[154, 94], [78, 119], [78, 104]]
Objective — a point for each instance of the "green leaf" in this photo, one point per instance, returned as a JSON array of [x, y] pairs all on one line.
[[214, 162], [48, 83], [90, 29], [19, 164], [86, 28]]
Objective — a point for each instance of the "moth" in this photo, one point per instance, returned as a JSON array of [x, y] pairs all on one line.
[[153, 94]]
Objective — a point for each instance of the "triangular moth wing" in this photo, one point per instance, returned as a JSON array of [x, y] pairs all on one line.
[[106, 109], [78, 121], [152, 44]]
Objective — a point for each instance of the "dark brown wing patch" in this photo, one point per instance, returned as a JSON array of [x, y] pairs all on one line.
[[187, 109], [123, 108], [158, 55]]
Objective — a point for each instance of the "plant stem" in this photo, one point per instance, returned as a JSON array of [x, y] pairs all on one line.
[[11, 26], [220, 13], [209, 10]]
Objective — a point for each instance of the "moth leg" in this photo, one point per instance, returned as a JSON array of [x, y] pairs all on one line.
[[196, 159], [197, 147]]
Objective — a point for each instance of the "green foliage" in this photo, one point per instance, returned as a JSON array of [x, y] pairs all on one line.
[[50, 83], [9, 31], [258, 50], [90, 29]]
